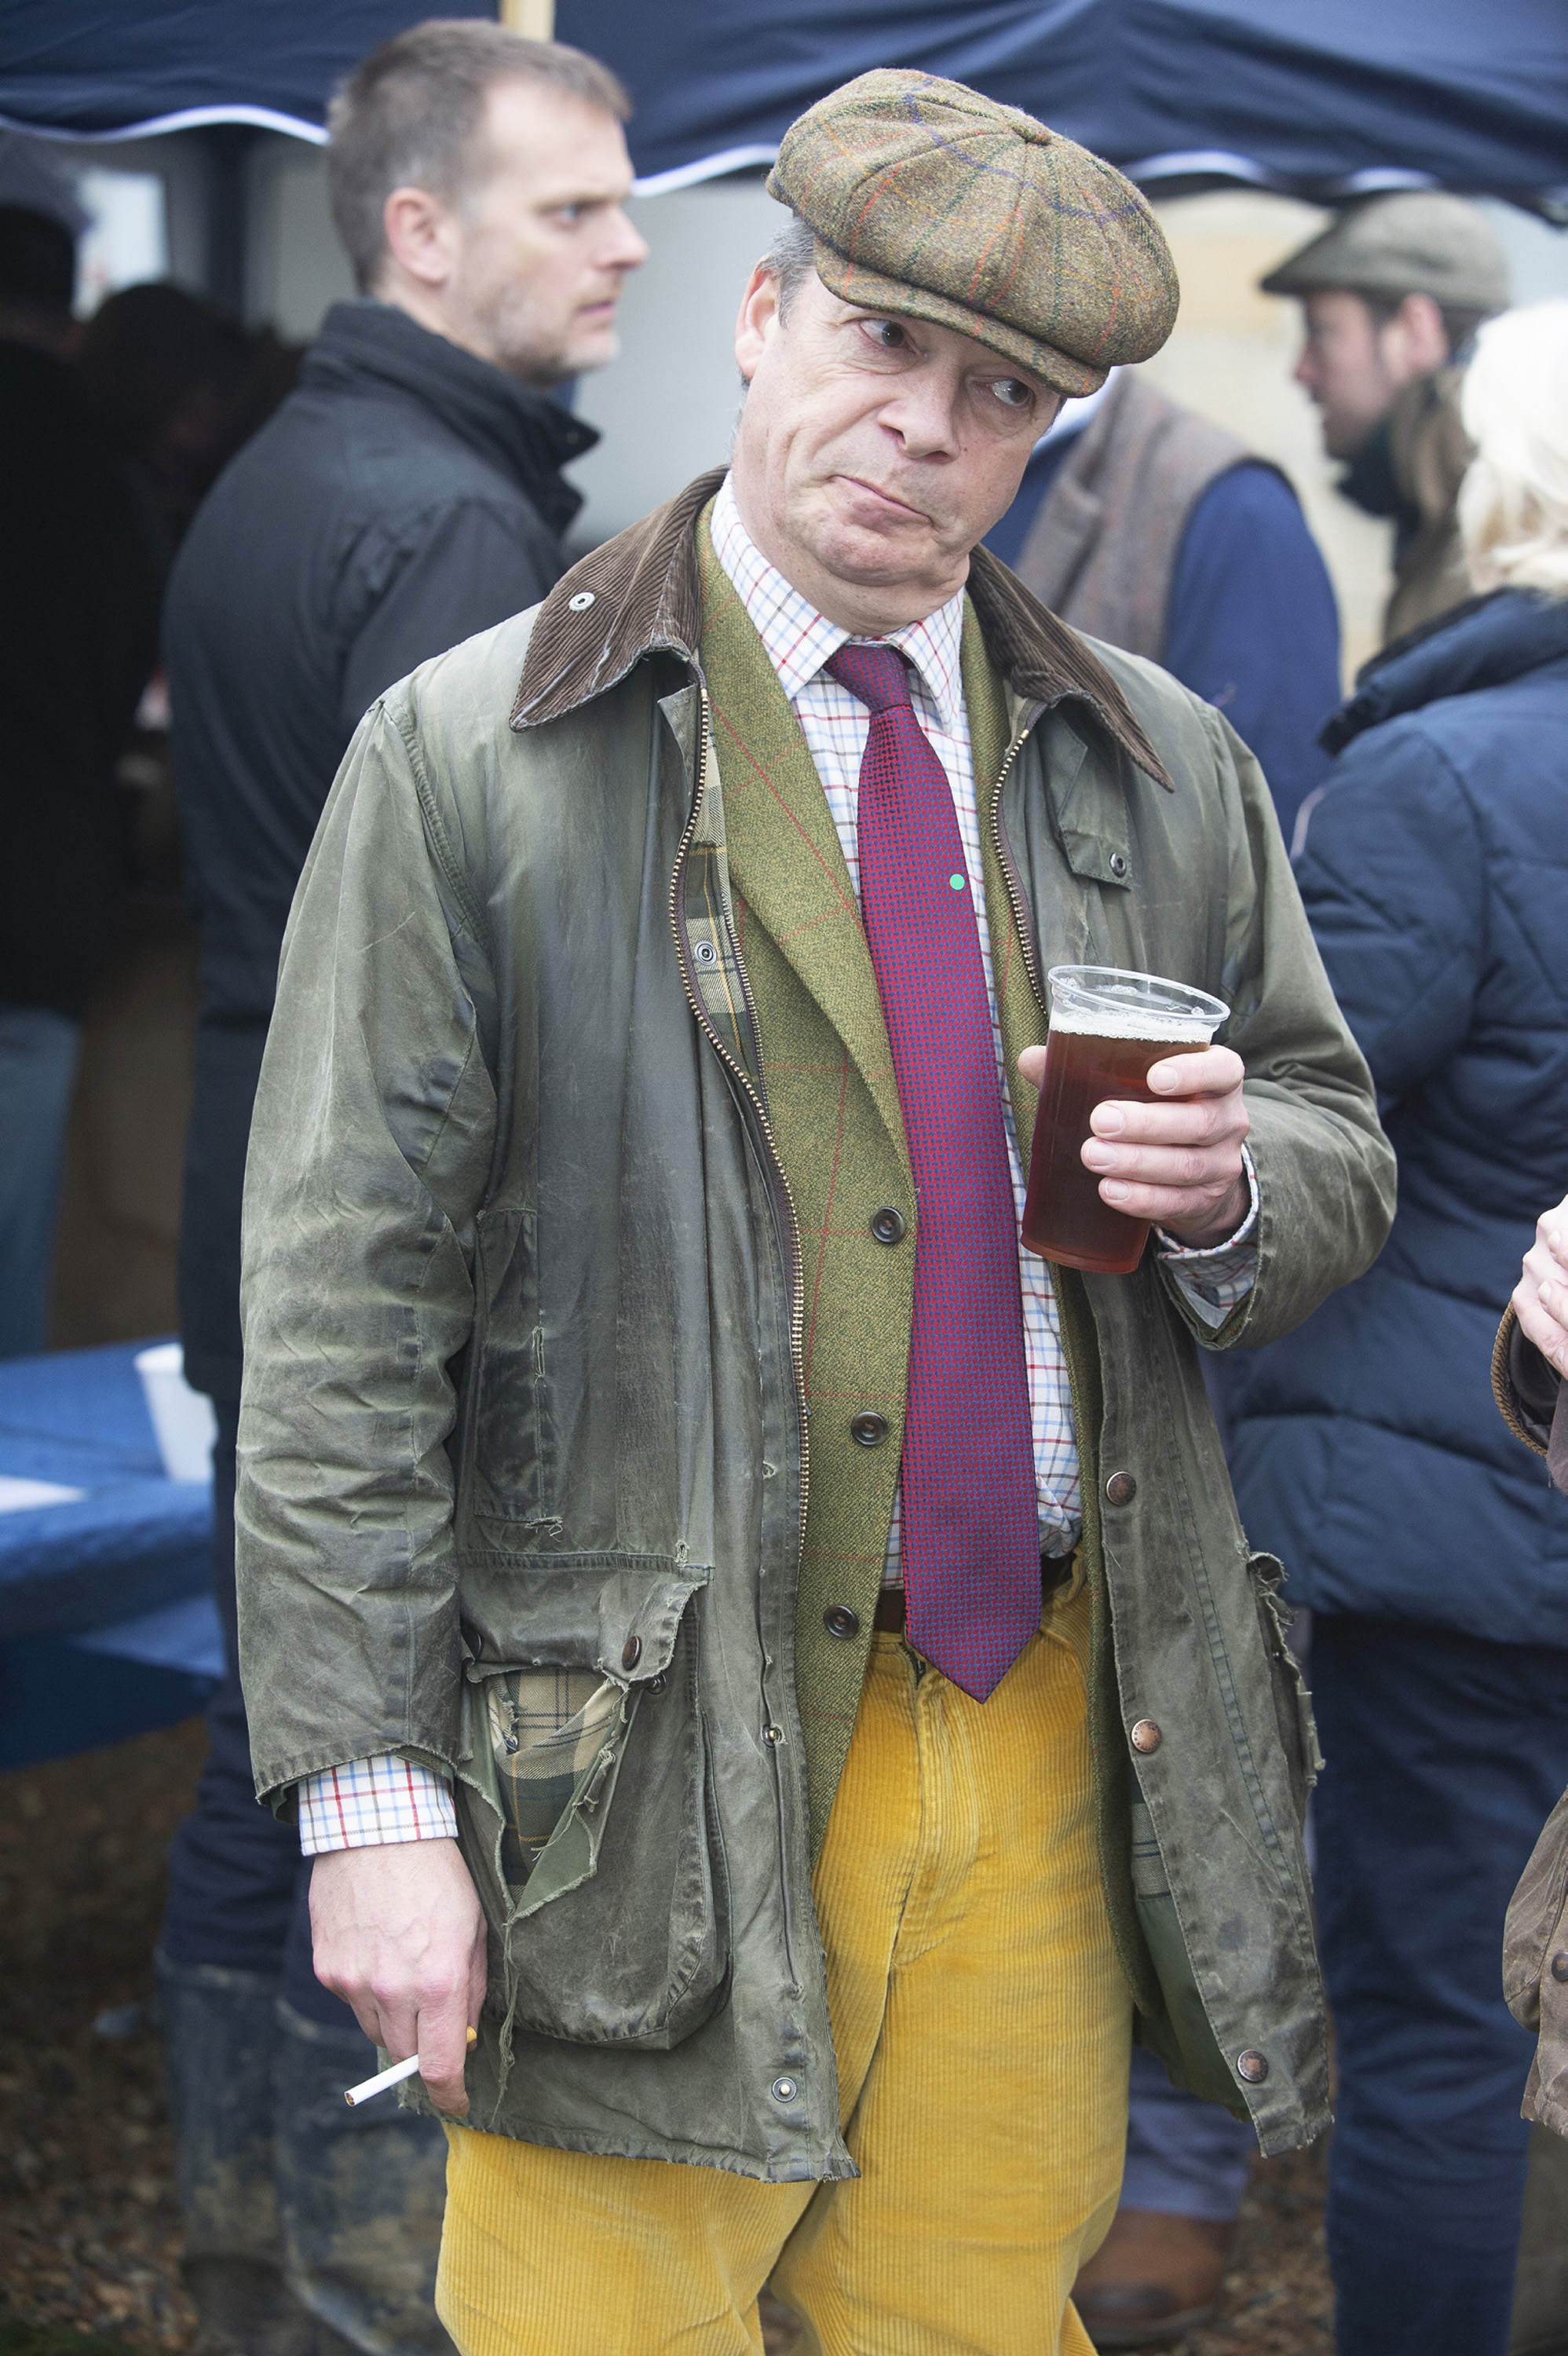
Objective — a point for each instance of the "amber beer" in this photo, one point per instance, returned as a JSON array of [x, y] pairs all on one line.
[[1106, 1029]]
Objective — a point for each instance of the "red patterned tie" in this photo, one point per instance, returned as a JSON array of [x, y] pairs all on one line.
[[971, 1519]]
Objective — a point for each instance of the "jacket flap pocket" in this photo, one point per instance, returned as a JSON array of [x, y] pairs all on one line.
[[613, 1612]]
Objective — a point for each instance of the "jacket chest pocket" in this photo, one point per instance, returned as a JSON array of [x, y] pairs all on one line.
[[608, 1887]]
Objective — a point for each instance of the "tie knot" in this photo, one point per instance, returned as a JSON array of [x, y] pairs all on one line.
[[878, 676]]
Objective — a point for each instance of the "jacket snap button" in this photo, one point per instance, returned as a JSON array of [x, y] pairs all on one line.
[[582, 602], [772, 1734], [705, 953], [1559, 1967], [631, 1652], [658, 1685], [785, 2090], [1146, 1736], [868, 1431], [1252, 2066], [1119, 863], [887, 1225], [840, 1621], [1121, 1488]]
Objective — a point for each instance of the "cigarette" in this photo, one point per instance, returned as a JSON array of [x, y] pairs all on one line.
[[355, 2096]]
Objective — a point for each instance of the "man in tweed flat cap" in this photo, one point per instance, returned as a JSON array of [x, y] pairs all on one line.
[[781, 1660]]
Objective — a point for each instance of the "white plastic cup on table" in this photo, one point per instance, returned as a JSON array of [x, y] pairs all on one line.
[[183, 1420], [1107, 1028]]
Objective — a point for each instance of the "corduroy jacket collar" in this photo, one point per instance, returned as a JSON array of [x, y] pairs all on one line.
[[641, 592]]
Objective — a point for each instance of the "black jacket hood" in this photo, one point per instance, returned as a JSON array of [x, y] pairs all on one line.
[[523, 431]]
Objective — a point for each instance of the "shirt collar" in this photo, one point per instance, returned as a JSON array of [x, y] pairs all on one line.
[[798, 640]]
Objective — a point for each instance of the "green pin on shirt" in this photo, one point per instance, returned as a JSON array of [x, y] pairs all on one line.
[[956, 882]]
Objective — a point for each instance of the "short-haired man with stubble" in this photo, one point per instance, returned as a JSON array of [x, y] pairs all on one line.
[[773, 1657], [406, 495]]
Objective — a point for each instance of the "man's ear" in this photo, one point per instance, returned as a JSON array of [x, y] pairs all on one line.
[[421, 236], [1415, 340], [759, 320]]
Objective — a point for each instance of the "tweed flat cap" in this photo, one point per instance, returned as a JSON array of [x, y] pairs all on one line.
[[935, 203], [1415, 241]]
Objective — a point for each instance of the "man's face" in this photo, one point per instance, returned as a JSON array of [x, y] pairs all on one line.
[[541, 244], [1353, 364], [874, 451]]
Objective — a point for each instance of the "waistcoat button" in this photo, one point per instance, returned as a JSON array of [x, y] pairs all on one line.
[[840, 1621], [887, 1225], [1121, 1488], [631, 1652], [1146, 1736], [1252, 2066], [868, 1431]]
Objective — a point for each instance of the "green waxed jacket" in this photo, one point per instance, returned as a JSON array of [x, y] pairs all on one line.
[[523, 1316]]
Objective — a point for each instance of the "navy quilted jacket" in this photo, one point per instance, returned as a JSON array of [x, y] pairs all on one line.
[[1366, 1448]]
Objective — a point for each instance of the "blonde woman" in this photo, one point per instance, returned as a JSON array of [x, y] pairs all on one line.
[[1367, 1449]]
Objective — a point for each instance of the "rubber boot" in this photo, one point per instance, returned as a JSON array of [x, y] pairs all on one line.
[[361, 2195], [221, 2037]]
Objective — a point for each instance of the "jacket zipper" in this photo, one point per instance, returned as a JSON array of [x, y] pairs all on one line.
[[795, 1285], [1009, 872]]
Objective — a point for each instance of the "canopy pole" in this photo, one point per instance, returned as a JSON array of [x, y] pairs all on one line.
[[534, 18]]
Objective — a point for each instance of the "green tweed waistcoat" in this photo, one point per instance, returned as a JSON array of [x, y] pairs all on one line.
[[833, 1106]]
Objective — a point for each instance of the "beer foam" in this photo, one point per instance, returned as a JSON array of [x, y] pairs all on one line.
[[1145, 1024]]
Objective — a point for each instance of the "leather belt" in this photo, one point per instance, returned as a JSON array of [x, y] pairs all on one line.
[[1055, 1571]]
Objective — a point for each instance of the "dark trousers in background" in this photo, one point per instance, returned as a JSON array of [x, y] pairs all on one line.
[[310, 2230], [1445, 1754]]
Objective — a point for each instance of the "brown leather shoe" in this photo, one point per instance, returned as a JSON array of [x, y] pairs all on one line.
[[1153, 2277]]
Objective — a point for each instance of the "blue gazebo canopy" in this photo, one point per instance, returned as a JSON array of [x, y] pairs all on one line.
[[1324, 101]]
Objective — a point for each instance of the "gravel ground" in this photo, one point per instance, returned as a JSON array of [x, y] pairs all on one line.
[[89, 2230]]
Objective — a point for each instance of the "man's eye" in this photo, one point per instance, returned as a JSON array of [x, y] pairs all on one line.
[[1012, 391], [886, 334]]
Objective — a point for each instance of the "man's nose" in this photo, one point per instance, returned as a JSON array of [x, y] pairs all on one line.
[[922, 418], [626, 248]]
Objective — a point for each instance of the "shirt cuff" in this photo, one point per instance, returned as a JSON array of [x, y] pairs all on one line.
[[1215, 1277], [373, 1803]]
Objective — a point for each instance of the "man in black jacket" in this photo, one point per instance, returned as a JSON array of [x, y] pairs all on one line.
[[405, 497]]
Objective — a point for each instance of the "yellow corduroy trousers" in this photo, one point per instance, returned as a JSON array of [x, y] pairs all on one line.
[[982, 2032]]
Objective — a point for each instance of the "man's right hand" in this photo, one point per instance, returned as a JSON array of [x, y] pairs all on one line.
[[399, 1934]]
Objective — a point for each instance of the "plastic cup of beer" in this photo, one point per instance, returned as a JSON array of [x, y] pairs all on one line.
[[1106, 1029]]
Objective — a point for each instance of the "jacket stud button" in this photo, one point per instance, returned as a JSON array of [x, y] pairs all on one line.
[[786, 2088], [840, 1621], [1119, 863], [1253, 2066], [1121, 1488], [1145, 1737], [887, 1225], [705, 953], [582, 602], [631, 1652], [868, 1431], [1559, 1967], [772, 1734], [658, 1685]]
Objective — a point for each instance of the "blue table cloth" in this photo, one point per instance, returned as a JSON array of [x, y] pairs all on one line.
[[107, 1625]]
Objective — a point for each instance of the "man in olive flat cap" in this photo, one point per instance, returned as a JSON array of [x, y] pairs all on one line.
[[1391, 293], [773, 1656]]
